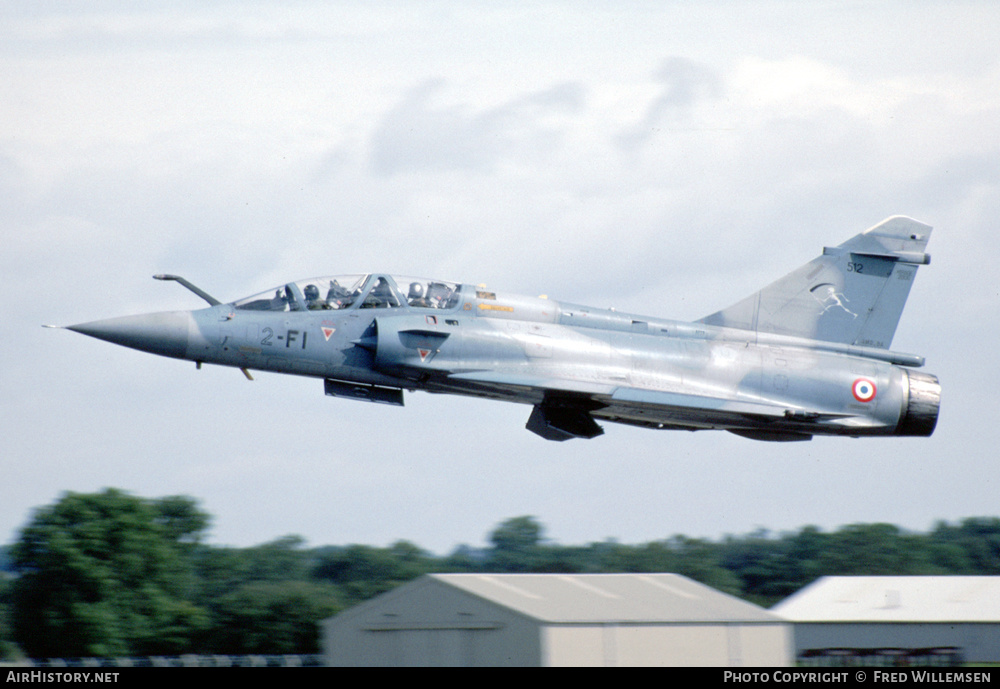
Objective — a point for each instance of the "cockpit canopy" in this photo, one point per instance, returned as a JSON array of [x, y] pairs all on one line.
[[355, 291]]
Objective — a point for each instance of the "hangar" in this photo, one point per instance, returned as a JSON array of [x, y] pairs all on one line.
[[556, 620], [915, 616]]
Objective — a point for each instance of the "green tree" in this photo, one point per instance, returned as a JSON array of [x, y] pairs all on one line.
[[8, 649], [874, 549], [105, 574], [271, 617], [698, 559], [362, 571], [463, 559], [517, 533], [220, 570], [972, 547], [517, 546]]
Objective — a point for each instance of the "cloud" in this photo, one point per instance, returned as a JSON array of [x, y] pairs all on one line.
[[419, 135], [683, 83]]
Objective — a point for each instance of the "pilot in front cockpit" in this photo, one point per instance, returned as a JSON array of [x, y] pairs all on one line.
[[313, 301]]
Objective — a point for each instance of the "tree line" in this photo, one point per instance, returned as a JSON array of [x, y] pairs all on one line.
[[115, 575]]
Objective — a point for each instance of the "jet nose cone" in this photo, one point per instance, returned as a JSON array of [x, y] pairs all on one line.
[[159, 333]]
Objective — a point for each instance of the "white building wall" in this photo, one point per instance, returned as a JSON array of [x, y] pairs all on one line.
[[764, 645], [691, 645], [573, 646]]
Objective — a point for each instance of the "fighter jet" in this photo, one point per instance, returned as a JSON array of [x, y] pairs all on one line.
[[807, 355]]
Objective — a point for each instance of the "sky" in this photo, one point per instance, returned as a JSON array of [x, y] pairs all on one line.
[[662, 158]]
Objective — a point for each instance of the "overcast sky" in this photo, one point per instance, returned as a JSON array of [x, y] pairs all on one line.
[[663, 158]]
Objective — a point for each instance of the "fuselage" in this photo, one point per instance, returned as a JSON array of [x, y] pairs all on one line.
[[373, 336]]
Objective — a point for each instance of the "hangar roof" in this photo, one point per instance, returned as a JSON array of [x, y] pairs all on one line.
[[566, 598], [895, 599]]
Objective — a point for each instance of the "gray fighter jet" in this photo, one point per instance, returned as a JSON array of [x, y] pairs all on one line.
[[808, 355]]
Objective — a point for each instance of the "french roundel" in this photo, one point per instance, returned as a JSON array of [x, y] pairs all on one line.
[[864, 390]]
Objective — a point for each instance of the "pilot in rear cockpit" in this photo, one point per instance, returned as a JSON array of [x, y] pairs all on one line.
[[415, 296]]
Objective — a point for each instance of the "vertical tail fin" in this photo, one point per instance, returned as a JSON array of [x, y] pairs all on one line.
[[852, 294]]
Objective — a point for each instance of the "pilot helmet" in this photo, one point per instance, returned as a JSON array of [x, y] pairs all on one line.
[[416, 291], [312, 292]]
